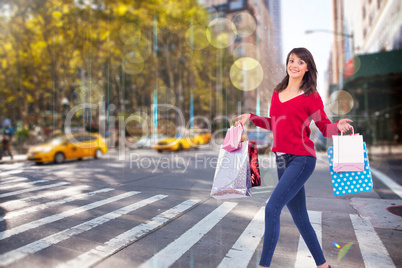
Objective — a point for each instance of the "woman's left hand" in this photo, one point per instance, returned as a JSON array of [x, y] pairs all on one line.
[[343, 125]]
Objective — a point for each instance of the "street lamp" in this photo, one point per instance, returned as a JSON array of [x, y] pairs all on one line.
[[336, 33], [64, 103]]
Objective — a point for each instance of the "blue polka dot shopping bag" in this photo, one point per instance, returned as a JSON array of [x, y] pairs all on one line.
[[352, 181]]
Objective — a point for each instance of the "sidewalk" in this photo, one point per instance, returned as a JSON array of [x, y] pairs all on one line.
[[16, 158]]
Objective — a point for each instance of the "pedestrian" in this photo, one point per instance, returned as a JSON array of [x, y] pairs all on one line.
[[294, 104], [6, 146]]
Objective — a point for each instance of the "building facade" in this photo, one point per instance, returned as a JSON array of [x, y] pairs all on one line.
[[366, 63], [265, 39]]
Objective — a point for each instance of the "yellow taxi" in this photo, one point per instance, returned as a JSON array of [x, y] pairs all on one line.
[[76, 146], [204, 135], [179, 142]]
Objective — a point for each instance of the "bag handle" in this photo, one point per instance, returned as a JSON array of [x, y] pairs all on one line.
[[352, 134]]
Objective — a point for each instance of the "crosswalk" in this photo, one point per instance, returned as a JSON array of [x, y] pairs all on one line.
[[41, 215]]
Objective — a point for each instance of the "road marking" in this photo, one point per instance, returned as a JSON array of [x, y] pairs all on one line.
[[93, 256], [304, 258], [22, 252], [23, 184], [11, 172], [392, 185], [12, 180], [263, 187], [33, 189], [373, 251], [31, 209], [24, 202], [263, 192], [56, 217], [167, 256], [243, 249]]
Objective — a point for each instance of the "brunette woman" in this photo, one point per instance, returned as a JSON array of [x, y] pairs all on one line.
[[294, 104]]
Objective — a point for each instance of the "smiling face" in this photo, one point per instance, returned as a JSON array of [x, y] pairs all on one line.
[[296, 67]]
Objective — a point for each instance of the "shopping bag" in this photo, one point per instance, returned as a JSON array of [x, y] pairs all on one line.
[[352, 181], [233, 138], [232, 174], [348, 153], [255, 175]]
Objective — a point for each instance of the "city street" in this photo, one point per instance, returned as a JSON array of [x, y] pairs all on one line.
[[145, 209]]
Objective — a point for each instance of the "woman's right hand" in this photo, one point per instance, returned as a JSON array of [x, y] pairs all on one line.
[[243, 119]]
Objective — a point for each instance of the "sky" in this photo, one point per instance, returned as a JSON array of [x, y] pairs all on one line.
[[299, 16]]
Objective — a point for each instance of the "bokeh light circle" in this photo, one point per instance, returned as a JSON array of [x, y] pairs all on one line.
[[246, 78], [130, 67], [91, 92], [200, 40], [246, 63], [202, 16], [357, 64], [166, 127], [341, 102], [127, 31], [245, 24], [138, 49], [221, 32], [166, 95], [246, 50], [351, 67]]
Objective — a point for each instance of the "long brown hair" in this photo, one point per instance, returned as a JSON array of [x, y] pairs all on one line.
[[309, 82]]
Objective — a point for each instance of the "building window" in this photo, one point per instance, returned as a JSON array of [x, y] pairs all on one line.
[[236, 4], [378, 4], [371, 18], [364, 12]]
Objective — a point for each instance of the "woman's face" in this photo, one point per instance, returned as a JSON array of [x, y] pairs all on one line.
[[296, 67]]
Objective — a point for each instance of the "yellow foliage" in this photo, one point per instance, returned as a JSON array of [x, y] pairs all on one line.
[[57, 14], [104, 35], [8, 47], [66, 9], [30, 99], [121, 10]]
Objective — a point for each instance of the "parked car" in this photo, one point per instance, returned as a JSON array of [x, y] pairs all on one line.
[[76, 146], [263, 138]]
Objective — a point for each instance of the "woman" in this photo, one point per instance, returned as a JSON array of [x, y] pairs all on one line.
[[295, 102]]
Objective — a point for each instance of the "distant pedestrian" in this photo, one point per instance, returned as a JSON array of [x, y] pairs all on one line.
[[6, 143], [294, 104]]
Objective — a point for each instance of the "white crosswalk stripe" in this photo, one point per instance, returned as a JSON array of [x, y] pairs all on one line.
[[167, 256], [33, 189], [24, 202], [31, 209], [371, 247], [242, 251], [24, 184], [12, 180], [11, 172], [17, 254], [93, 256], [304, 258], [56, 217], [239, 253]]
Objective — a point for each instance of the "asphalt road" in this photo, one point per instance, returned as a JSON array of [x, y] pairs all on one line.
[[144, 209]]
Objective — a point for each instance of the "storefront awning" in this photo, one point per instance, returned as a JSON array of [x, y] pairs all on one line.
[[374, 70]]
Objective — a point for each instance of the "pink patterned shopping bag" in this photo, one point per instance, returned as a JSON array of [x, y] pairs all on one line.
[[233, 138]]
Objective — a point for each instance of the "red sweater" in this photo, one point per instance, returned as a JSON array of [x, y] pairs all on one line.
[[290, 121]]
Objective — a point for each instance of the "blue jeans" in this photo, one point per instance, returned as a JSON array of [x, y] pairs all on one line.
[[293, 172]]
